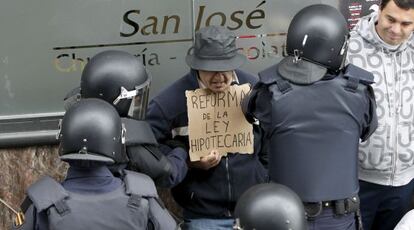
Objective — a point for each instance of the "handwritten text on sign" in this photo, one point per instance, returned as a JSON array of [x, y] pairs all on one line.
[[216, 121]]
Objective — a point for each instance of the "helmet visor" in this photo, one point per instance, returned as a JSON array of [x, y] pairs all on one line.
[[139, 100], [138, 107]]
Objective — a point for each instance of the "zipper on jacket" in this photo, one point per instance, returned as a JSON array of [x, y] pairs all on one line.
[[228, 183], [396, 113], [396, 149]]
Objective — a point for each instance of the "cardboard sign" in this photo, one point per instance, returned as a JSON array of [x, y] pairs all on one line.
[[216, 121]]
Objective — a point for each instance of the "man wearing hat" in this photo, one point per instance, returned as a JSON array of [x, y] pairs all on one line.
[[209, 190]]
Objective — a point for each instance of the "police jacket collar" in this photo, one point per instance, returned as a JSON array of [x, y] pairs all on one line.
[[300, 72], [79, 172], [93, 180]]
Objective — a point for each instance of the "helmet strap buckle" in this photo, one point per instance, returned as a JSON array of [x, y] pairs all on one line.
[[123, 134], [125, 94], [58, 134], [344, 46], [296, 55]]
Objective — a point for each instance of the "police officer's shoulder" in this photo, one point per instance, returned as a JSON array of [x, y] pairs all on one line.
[[40, 196], [139, 184], [353, 72], [46, 192], [138, 132], [268, 76], [245, 77]]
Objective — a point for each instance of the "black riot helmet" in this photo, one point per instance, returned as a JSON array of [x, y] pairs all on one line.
[[268, 207], [120, 79], [319, 34], [91, 130]]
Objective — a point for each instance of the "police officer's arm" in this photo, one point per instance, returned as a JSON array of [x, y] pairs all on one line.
[[263, 114], [256, 107], [149, 160], [248, 105], [370, 122], [143, 154], [177, 155], [263, 152]]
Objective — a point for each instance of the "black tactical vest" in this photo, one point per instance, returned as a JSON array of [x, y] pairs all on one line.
[[134, 206], [315, 132]]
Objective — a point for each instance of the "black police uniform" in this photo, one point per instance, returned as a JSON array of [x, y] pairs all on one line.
[[90, 196], [314, 112], [314, 131]]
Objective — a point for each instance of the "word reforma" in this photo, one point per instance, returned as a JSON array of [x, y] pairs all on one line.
[[221, 99]]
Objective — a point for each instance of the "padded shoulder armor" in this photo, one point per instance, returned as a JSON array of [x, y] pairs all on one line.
[[267, 76], [45, 193], [271, 76], [139, 184], [138, 132], [362, 76]]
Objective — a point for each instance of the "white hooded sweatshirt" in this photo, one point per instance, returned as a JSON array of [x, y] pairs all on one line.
[[387, 157]]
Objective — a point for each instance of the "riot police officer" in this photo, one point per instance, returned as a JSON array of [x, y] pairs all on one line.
[[315, 111], [120, 79], [268, 207], [90, 197]]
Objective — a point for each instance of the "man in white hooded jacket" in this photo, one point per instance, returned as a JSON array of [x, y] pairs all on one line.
[[382, 43]]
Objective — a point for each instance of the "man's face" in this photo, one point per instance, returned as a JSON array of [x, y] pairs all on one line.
[[216, 81], [395, 25]]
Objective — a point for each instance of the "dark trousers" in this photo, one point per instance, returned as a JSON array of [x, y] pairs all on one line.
[[327, 220], [382, 207]]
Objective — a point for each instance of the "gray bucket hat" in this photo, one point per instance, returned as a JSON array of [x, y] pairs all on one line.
[[214, 50]]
